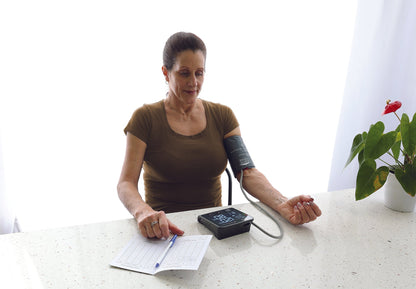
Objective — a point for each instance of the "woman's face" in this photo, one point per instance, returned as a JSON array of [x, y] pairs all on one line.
[[186, 76]]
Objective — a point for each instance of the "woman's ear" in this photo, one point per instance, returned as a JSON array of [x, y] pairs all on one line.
[[165, 73]]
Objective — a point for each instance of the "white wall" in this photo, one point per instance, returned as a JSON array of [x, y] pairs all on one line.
[[72, 73]]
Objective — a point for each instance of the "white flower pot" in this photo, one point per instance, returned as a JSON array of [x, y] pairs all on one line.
[[395, 197]]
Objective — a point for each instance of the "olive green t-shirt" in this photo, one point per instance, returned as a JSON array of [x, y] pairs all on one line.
[[182, 172]]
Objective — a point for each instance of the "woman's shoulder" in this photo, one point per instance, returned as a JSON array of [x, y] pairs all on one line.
[[152, 106], [222, 115], [215, 105], [149, 108], [144, 118], [148, 112]]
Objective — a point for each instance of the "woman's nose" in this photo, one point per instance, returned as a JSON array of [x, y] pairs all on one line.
[[193, 81]]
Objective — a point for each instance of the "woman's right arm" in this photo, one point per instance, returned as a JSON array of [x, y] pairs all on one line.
[[129, 195]]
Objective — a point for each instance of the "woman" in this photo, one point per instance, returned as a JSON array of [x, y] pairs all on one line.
[[179, 143]]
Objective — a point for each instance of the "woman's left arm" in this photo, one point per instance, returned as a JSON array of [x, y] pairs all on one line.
[[297, 210]]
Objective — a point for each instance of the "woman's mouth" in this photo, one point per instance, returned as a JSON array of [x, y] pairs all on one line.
[[191, 92]]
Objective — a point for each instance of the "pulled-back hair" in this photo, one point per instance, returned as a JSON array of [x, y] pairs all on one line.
[[179, 42]]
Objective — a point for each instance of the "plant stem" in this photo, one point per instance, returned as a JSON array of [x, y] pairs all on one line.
[[397, 161], [397, 116], [386, 163]]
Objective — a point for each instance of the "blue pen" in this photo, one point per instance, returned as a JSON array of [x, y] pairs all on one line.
[[171, 242]]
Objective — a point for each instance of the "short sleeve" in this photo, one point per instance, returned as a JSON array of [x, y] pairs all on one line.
[[140, 124], [229, 120]]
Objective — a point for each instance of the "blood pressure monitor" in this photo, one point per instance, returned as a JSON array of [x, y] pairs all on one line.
[[229, 222], [226, 223]]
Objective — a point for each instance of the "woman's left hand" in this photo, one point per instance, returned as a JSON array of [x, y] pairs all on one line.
[[299, 210]]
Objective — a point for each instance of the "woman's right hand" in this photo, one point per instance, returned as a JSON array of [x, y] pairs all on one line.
[[153, 224]]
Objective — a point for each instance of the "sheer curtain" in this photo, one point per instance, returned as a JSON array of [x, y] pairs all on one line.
[[382, 66]]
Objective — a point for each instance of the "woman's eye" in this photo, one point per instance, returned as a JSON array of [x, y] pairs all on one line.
[[187, 73], [184, 73]]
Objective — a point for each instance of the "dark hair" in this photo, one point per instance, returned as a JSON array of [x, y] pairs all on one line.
[[179, 42]]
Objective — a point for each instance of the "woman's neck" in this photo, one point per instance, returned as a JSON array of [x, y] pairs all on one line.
[[184, 109]]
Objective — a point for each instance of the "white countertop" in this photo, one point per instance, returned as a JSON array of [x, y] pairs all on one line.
[[352, 245]]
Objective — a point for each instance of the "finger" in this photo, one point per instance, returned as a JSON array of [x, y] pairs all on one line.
[[299, 199], [316, 209], [142, 229], [305, 198], [296, 218], [149, 230], [174, 229], [294, 201], [148, 223], [157, 229], [163, 226], [309, 211], [160, 225], [303, 213]]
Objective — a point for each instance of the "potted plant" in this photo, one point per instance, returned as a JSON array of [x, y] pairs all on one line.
[[395, 151]]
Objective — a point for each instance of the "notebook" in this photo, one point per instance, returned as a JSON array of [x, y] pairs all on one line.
[[140, 254]]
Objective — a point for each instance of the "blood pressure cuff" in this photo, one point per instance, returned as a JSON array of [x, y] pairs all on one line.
[[237, 154]]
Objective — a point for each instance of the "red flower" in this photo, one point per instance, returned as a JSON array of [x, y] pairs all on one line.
[[392, 106]]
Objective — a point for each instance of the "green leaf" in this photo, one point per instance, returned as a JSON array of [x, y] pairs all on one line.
[[408, 132], [407, 178], [369, 179], [357, 146], [396, 147], [361, 157], [377, 143]]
